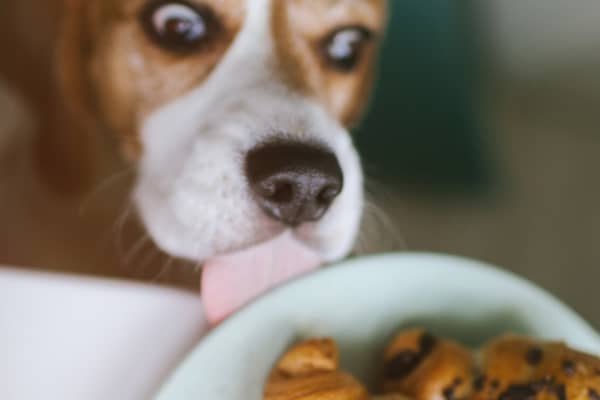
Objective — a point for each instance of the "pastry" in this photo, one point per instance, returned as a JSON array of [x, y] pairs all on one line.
[[310, 371], [420, 366], [511, 367]]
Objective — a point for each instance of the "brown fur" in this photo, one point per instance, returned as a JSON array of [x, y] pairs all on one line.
[[133, 76], [299, 27], [87, 68]]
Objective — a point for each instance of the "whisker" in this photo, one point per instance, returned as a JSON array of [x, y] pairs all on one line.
[[378, 233], [395, 238], [141, 268], [119, 227], [135, 249], [164, 269], [102, 186]]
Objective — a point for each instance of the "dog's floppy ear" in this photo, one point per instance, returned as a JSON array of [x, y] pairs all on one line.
[[64, 149]]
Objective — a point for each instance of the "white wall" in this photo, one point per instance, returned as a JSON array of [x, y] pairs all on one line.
[[538, 36]]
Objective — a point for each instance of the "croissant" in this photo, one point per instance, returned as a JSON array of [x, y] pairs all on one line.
[[511, 367], [310, 371], [420, 366]]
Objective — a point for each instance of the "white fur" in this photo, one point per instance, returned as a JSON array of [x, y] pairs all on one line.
[[191, 191]]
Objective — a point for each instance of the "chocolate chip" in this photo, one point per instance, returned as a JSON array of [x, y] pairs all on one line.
[[561, 392], [427, 342], [519, 392], [495, 384], [543, 384], [402, 364], [593, 395], [448, 392], [405, 362], [569, 367], [534, 356], [479, 383]]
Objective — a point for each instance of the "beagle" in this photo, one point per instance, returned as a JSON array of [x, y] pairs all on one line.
[[233, 114]]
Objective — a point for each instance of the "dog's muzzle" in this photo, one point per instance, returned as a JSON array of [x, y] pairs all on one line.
[[293, 183]]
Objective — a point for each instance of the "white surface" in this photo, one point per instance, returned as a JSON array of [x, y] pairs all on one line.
[[75, 338], [361, 305]]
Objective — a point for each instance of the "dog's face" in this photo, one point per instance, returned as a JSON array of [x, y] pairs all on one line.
[[236, 113], [192, 87]]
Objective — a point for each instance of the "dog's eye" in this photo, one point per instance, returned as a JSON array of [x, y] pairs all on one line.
[[177, 25], [343, 47]]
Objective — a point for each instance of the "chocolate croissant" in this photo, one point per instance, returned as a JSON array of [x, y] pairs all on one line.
[[509, 368], [419, 366]]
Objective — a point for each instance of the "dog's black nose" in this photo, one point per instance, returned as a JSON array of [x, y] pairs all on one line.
[[294, 182]]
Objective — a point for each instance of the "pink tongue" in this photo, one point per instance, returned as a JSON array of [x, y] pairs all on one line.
[[233, 280]]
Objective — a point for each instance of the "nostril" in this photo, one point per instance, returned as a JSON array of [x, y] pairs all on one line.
[[328, 194], [280, 192]]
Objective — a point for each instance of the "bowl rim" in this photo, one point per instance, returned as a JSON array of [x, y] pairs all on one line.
[[358, 262], [385, 258]]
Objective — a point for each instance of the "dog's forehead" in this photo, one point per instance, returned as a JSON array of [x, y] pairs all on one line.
[[315, 14]]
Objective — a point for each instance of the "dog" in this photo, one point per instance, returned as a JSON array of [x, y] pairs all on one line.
[[234, 116]]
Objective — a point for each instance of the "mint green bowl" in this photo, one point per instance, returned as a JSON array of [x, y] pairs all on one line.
[[362, 303]]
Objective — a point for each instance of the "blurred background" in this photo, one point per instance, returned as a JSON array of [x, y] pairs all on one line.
[[483, 139]]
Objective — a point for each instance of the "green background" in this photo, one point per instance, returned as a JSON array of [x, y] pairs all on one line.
[[423, 130]]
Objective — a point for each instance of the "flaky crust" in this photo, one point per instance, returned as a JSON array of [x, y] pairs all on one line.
[[515, 367], [419, 366], [310, 371], [508, 368]]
